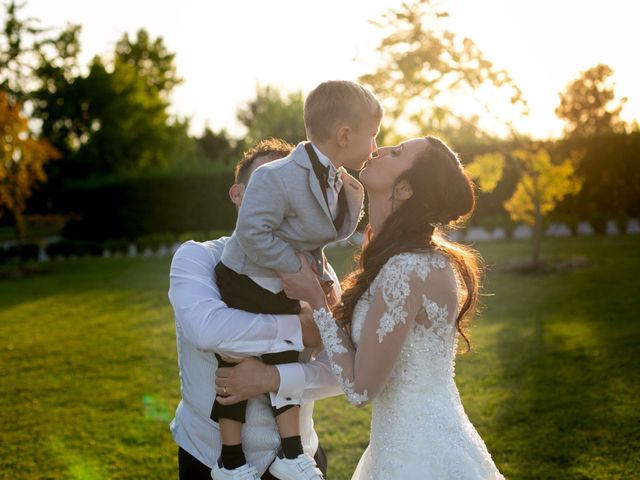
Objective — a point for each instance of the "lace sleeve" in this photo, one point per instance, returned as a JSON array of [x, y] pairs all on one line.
[[396, 300]]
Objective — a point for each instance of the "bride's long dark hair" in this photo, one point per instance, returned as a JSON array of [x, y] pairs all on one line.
[[443, 195]]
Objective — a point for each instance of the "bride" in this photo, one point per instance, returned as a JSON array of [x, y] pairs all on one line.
[[392, 338]]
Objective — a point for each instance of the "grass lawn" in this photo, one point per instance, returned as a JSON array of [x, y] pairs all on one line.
[[89, 376]]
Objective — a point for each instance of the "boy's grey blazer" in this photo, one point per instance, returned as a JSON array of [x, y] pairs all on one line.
[[283, 211]]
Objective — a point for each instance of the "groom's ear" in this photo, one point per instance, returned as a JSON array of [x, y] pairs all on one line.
[[343, 135], [236, 192]]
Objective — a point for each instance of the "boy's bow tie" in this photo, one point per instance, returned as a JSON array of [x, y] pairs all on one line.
[[333, 178]]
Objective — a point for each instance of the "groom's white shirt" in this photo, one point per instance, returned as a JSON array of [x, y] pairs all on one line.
[[204, 324]]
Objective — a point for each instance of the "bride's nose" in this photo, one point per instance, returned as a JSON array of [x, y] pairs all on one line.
[[382, 151]]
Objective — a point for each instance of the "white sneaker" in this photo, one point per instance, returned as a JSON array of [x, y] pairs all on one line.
[[301, 468], [245, 472]]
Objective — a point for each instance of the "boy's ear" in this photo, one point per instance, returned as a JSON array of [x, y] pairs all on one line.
[[402, 190], [236, 193], [343, 135]]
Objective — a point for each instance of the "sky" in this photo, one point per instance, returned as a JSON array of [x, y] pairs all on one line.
[[225, 48]]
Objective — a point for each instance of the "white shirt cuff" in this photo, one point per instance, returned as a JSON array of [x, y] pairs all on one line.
[[292, 381], [289, 334]]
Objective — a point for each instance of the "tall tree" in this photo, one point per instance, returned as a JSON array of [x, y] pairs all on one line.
[[31, 55], [150, 59], [115, 117], [19, 42], [216, 146], [542, 184], [426, 69], [589, 106], [273, 113], [124, 125], [22, 159]]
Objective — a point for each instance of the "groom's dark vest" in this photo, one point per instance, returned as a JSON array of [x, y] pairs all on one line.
[[322, 173]]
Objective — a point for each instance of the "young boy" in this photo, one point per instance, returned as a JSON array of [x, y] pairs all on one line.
[[297, 204]]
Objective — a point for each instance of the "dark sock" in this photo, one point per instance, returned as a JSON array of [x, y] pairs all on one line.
[[232, 456], [292, 446]]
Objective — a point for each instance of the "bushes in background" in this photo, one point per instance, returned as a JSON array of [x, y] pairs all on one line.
[[139, 207]]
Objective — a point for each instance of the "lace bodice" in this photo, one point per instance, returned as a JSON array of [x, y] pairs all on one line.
[[404, 331]]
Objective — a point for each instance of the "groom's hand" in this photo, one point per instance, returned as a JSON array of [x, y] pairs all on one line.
[[250, 377]]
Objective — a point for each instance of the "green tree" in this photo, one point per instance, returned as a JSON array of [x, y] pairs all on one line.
[[488, 169], [542, 184], [589, 106], [217, 146], [150, 59], [115, 117], [131, 123], [19, 45], [185, 152], [273, 114], [112, 118], [425, 69], [31, 56], [62, 115]]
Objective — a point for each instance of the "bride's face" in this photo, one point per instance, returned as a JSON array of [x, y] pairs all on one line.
[[380, 173]]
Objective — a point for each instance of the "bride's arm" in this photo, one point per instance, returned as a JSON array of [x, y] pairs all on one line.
[[396, 301]]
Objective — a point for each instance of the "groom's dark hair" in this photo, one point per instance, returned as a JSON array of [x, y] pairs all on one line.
[[271, 147]]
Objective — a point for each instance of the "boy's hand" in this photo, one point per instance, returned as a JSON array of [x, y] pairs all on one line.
[[304, 284]]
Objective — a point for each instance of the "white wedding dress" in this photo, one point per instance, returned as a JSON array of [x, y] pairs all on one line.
[[405, 337]]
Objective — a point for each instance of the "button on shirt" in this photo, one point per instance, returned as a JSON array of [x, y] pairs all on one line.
[[334, 179]]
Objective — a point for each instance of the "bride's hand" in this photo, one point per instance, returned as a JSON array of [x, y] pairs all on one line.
[[304, 285]]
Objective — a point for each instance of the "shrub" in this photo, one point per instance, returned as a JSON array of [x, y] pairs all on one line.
[[67, 248], [138, 207], [63, 248], [23, 252], [215, 234], [117, 245], [153, 242], [88, 248], [197, 236]]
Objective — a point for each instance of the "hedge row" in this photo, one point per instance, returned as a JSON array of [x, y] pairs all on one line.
[[81, 248], [134, 208]]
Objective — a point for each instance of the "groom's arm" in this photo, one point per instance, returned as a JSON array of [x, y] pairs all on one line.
[[313, 380], [207, 322], [287, 383]]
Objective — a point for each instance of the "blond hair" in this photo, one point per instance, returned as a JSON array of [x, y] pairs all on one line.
[[338, 102]]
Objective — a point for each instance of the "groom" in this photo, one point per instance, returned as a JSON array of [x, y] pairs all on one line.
[[204, 325]]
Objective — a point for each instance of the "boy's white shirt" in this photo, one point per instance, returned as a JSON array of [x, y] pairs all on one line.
[[204, 324]]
